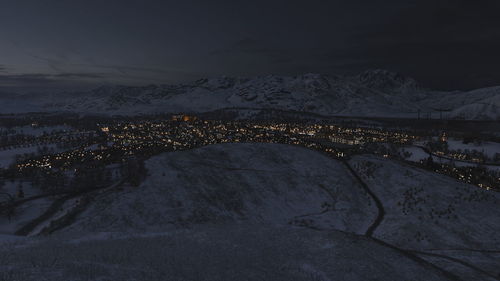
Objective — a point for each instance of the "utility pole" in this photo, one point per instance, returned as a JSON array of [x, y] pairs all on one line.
[[441, 110]]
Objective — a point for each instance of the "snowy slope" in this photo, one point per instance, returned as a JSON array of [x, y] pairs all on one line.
[[235, 206], [239, 252], [487, 109], [432, 213], [250, 183], [468, 214], [425, 214]]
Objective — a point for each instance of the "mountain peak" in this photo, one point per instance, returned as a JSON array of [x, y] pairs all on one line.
[[386, 80]]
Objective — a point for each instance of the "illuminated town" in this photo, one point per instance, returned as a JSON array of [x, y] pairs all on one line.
[[117, 141]]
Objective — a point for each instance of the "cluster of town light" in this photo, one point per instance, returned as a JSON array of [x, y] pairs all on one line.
[[182, 132]]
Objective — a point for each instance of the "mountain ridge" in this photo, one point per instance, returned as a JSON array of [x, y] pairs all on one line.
[[373, 93]]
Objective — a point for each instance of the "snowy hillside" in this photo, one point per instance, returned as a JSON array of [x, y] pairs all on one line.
[[276, 208], [371, 93], [250, 183], [239, 252], [434, 214], [426, 214]]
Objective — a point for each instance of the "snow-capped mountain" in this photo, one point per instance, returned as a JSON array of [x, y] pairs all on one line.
[[372, 93]]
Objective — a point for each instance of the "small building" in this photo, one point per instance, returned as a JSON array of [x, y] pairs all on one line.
[[184, 117], [443, 137]]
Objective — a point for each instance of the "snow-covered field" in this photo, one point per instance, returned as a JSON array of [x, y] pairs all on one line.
[[38, 131], [271, 212], [488, 148], [418, 154]]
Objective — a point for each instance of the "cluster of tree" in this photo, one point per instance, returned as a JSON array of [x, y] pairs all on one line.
[[134, 170], [391, 149], [88, 178], [367, 169], [472, 174], [49, 180], [471, 154], [438, 146]]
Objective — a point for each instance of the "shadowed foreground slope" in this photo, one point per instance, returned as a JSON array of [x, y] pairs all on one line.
[[238, 252], [270, 212]]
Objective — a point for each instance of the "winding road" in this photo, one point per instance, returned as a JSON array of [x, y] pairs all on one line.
[[381, 211]]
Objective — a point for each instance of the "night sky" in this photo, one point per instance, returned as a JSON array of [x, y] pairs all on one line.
[[75, 44]]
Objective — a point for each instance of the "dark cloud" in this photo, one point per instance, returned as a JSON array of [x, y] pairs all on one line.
[[42, 77], [248, 46], [78, 76], [43, 82], [134, 69], [445, 44], [254, 49]]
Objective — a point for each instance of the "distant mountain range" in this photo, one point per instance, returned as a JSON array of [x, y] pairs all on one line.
[[374, 93]]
